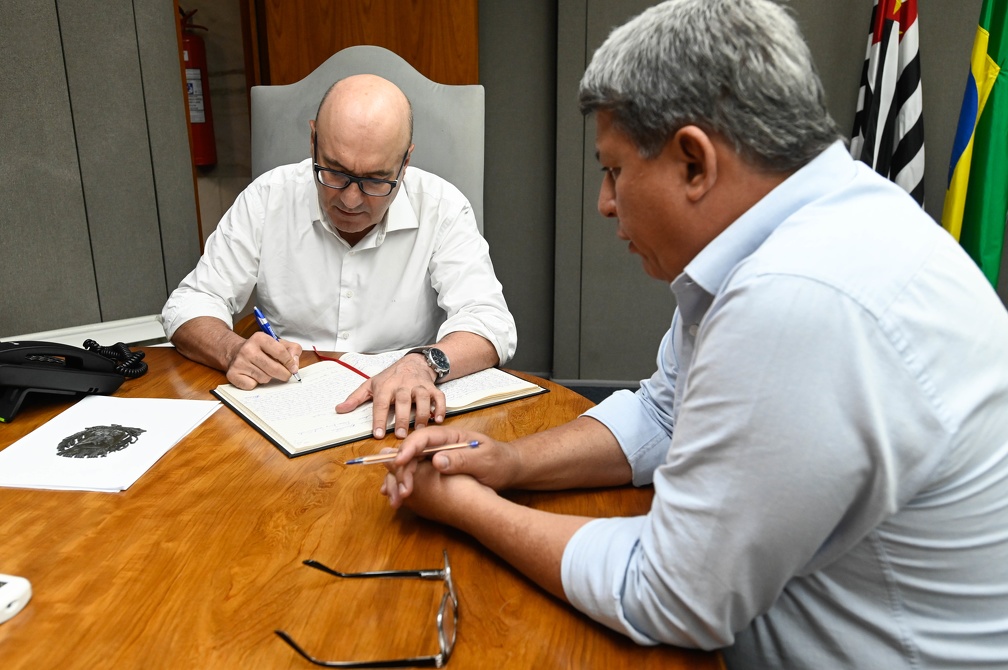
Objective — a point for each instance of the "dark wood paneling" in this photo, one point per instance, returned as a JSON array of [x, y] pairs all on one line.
[[437, 37]]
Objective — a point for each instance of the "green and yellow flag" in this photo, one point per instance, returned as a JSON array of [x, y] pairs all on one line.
[[976, 203]]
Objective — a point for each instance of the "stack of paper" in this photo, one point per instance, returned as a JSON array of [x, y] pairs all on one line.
[[102, 443]]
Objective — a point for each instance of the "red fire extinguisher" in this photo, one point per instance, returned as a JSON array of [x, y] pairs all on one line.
[[198, 92]]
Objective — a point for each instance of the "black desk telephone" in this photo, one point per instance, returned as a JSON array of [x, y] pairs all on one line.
[[49, 367]]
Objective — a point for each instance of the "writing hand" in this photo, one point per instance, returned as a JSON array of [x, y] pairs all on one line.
[[261, 359], [407, 383]]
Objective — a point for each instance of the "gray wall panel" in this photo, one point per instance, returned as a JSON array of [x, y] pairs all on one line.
[[46, 279], [106, 95], [570, 125], [606, 284], [947, 30], [517, 45], [602, 332], [164, 97], [624, 312]]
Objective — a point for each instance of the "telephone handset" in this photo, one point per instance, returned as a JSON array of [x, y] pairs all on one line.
[[50, 367]]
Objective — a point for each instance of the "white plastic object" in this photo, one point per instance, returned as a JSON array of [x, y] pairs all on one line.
[[15, 592]]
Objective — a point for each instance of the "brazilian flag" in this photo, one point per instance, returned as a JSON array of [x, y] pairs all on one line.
[[976, 203]]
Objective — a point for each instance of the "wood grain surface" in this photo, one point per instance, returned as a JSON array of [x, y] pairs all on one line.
[[197, 563], [440, 38]]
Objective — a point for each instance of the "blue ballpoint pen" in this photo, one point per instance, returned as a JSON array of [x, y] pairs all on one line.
[[268, 329]]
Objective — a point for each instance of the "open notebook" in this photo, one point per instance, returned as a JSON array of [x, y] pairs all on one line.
[[300, 418]]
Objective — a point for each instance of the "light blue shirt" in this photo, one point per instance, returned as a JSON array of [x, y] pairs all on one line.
[[827, 434]]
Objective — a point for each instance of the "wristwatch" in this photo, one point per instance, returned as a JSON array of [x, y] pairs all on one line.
[[435, 358]]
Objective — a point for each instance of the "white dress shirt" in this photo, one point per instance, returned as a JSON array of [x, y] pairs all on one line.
[[424, 271], [827, 434]]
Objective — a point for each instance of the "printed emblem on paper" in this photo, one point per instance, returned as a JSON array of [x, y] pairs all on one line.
[[98, 441]]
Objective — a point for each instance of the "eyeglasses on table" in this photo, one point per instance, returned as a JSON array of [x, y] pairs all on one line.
[[446, 620]]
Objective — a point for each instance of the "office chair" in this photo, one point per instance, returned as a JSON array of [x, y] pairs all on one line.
[[447, 120]]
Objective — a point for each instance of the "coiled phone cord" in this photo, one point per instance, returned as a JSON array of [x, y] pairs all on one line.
[[128, 363]]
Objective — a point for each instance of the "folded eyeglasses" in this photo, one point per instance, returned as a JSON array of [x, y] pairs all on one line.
[[446, 620]]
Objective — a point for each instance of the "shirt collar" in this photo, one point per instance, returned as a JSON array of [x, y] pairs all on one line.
[[399, 216], [715, 262]]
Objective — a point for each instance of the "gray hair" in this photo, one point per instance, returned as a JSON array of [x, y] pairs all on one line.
[[738, 68]]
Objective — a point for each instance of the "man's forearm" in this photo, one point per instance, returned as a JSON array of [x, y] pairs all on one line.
[[467, 353], [207, 340], [531, 540], [579, 454]]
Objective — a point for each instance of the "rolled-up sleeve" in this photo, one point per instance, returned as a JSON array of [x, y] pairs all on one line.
[[223, 279], [642, 422], [468, 290], [593, 571]]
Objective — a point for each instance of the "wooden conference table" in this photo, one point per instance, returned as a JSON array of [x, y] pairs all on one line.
[[197, 563]]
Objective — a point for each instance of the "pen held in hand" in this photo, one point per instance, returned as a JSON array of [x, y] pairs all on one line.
[[265, 326], [387, 458]]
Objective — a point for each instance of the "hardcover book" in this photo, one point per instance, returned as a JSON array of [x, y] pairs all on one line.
[[300, 417]]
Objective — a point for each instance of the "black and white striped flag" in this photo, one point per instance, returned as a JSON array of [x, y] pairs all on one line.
[[889, 124]]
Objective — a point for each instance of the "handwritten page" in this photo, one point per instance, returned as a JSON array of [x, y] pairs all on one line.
[[372, 364], [481, 386], [101, 443], [305, 412], [461, 392], [301, 417]]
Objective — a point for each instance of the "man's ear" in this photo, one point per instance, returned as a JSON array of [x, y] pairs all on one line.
[[693, 148], [311, 125]]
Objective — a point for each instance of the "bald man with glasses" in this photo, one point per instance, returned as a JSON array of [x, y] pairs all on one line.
[[350, 250]]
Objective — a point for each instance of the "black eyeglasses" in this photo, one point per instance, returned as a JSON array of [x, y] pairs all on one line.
[[377, 188], [446, 621]]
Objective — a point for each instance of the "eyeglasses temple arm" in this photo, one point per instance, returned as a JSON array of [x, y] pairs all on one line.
[[418, 662], [415, 574]]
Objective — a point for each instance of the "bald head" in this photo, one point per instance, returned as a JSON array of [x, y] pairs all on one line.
[[364, 130], [368, 106]]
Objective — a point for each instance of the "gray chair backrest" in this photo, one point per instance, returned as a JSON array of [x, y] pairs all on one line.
[[447, 120]]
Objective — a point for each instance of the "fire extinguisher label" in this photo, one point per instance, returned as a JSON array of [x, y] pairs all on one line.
[[194, 89]]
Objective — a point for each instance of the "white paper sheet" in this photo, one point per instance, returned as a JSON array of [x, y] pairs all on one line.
[[102, 443]]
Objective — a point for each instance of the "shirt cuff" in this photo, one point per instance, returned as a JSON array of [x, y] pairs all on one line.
[[643, 441], [594, 568], [496, 328], [185, 304]]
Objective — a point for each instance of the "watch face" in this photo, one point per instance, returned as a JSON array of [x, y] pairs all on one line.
[[438, 361]]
